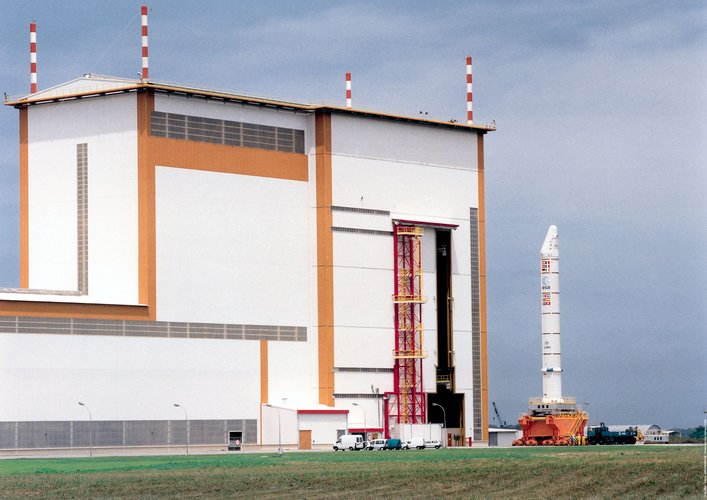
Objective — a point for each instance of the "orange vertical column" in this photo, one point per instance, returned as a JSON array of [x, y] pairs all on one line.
[[325, 259], [146, 205], [264, 396], [482, 292]]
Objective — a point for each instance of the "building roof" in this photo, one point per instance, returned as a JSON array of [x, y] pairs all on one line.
[[308, 408], [90, 85]]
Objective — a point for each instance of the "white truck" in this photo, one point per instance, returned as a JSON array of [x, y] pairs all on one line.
[[349, 442]]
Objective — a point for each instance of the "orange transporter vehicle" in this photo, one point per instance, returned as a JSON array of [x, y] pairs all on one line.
[[558, 424]]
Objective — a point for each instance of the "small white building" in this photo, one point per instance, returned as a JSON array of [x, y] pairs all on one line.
[[302, 427], [503, 437], [647, 433]]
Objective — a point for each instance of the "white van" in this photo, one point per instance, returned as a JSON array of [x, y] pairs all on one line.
[[417, 442], [349, 442]]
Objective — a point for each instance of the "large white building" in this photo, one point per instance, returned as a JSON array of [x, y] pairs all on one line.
[[234, 256]]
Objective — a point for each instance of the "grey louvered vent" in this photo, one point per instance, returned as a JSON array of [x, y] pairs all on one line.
[[248, 135]]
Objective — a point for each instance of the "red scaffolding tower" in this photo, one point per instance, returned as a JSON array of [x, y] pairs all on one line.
[[406, 404]]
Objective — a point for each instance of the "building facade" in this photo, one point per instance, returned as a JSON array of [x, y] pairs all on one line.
[[219, 252]]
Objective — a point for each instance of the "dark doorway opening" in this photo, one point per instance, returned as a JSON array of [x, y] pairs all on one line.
[[445, 348], [445, 403]]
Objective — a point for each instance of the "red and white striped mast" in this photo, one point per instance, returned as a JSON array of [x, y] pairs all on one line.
[[33, 57], [469, 111], [348, 90], [145, 65]]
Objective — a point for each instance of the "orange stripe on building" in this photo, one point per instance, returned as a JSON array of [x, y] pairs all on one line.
[[24, 200], [72, 310], [483, 344], [264, 396], [325, 259], [227, 159]]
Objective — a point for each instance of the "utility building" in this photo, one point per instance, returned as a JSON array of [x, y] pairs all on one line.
[[192, 260]]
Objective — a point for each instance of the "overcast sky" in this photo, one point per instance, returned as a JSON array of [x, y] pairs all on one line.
[[601, 110]]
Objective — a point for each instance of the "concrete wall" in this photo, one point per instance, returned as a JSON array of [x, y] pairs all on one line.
[[45, 376], [109, 126], [231, 248]]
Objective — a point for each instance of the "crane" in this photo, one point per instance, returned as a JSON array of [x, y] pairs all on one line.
[[501, 422]]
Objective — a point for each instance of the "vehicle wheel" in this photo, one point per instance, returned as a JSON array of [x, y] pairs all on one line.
[[350, 448], [436, 447]]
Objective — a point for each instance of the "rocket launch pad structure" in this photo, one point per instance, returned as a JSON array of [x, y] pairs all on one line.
[[551, 419]]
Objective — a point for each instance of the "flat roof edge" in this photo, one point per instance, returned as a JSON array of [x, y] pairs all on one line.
[[256, 101]]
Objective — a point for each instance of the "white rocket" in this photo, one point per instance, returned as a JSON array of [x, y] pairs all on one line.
[[550, 300]]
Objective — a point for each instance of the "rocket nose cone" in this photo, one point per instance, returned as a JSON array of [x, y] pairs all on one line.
[[550, 242]]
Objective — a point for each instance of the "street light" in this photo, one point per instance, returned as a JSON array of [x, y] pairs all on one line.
[[90, 429], [376, 391], [444, 415], [279, 427], [186, 421], [365, 427]]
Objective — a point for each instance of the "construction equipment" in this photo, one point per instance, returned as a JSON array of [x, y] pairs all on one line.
[[501, 422]]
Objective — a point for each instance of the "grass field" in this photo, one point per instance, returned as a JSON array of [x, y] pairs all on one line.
[[599, 472]]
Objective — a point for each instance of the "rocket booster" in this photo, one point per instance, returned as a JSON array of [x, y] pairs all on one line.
[[550, 300]]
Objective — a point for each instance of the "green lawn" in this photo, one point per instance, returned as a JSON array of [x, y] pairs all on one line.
[[604, 472]]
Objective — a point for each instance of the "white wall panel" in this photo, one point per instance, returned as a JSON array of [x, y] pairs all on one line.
[[468, 414], [52, 214], [364, 347], [365, 251], [289, 373], [231, 248], [279, 426], [410, 190], [362, 221], [119, 378], [360, 382], [363, 297], [461, 288], [108, 126], [461, 248], [366, 415], [429, 364], [462, 360], [372, 138]]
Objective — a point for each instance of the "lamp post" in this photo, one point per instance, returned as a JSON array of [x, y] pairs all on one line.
[[365, 427], [376, 391], [279, 428], [186, 422], [444, 416], [90, 429]]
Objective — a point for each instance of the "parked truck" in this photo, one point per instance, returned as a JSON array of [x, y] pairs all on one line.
[[600, 434]]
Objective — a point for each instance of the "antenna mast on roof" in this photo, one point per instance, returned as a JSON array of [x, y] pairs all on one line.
[[348, 90], [469, 111], [145, 65], [33, 57]]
